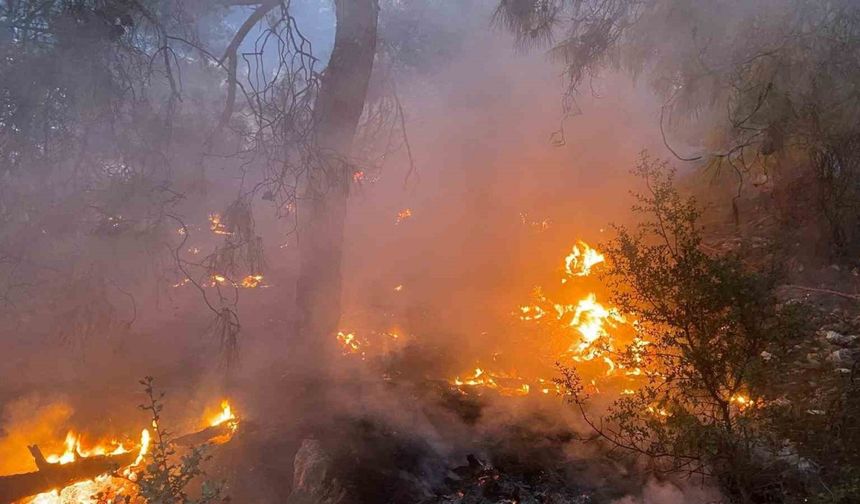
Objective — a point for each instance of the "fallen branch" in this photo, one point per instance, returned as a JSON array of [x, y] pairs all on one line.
[[209, 434], [846, 295], [55, 476]]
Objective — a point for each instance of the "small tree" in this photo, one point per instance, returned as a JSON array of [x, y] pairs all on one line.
[[164, 481], [709, 334]]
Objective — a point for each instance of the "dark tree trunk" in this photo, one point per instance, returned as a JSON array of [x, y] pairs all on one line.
[[322, 208]]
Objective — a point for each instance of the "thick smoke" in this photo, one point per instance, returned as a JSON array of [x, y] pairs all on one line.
[[501, 183]]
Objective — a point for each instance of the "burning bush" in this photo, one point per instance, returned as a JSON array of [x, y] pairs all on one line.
[[716, 348]]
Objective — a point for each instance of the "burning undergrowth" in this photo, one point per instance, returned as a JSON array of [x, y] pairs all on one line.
[[411, 430], [151, 466]]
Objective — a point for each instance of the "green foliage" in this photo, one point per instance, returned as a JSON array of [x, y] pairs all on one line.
[[165, 481], [770, 86], [711, 337]]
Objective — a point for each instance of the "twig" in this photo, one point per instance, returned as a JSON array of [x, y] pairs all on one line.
[[846, 295]]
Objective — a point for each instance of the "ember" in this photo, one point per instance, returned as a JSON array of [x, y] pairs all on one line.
[[402, 215]]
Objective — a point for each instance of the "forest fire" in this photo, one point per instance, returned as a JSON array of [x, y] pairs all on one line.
[[74, 449], [581, 259], [216, 225], [601, 251], [108, 469], [225, 417], [506, 384], [113, 482], [584, 323], [348, 342], [590, 320]]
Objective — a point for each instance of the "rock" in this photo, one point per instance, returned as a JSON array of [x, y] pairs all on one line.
[[812, 362], [312, 481], [842, 357], [836, 338]]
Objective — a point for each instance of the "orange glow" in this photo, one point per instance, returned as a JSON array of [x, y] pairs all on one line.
[[591, 320], [225, 415], [82, 492], [74, 450], [216, 225], [251, 281], [349, 342], [581, 259], [403, 215], [658, 412], [507, 384], [742, 401], [588, 325]]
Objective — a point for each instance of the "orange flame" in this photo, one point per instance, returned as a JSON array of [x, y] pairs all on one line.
[[581, 259], [217, 226], [83, 491], [403, 215], [251, 281], [225, 415], [507, 384], [349, 342]]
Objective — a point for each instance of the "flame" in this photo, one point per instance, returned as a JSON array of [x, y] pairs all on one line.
[[251, 281], [403, 215], [82, 492], [742, 401], [225, 415], [217, 226], [658, 412], [73, 450], [182, 282], [581, 259], [248, 282], [349, 342], [591, 320], [508, 384], [113, 488], [145, 439], [532, 312], [536, 225], [585, 323]]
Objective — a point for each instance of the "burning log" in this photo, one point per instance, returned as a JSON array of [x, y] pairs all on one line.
[[54, 476], [77, 465], [215, 434], [221, 428]]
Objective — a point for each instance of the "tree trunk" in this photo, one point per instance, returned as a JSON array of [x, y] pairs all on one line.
[[322, 208]]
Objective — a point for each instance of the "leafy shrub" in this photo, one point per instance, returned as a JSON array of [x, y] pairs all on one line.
[[712, 342]]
